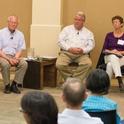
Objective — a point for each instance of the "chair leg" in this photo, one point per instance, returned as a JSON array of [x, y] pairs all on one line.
[[120, 82]]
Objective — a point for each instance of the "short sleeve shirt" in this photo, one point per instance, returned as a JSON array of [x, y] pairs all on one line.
[[10, 43]]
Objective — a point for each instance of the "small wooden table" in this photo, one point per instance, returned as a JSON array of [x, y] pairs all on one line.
[[40, 74]]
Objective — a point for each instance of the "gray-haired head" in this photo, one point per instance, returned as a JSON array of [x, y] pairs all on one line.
[[81, 14], [12, 17], [73, 92], [12, 23]]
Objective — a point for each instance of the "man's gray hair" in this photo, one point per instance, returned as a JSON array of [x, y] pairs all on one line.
[[73, 91], [12, 17], [81, 14]]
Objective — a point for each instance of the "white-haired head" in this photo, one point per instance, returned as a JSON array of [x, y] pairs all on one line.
[[12, 23], [12, 17]]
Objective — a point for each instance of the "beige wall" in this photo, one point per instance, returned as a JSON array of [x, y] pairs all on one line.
[[98, 20], [46, 25], [70, 7], [21, 8]]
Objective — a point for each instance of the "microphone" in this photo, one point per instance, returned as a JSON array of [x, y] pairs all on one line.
[[12, 34], [77, 33], [11, 38]]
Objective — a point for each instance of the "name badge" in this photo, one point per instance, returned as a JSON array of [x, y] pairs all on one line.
[[120, 42]]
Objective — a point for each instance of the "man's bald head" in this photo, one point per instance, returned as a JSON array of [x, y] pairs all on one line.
[[73, 91]]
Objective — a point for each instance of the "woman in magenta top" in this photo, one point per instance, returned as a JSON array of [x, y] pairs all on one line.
[[114, 50]]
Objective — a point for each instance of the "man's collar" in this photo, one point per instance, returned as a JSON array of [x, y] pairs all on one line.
[[11, 31], [77, 29]]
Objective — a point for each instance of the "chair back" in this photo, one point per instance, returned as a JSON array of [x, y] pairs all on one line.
[[108, 117], [101, 60], [101, 63], [122, 69]]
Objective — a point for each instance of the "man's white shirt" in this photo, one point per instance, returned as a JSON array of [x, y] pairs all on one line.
[[69, 116], [71, 37], [10, 43]]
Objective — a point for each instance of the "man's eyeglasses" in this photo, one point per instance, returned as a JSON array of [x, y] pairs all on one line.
[[21, 110]]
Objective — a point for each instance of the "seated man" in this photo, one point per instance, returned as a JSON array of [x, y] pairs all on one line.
[[75, 42], [73, 96], [11, 45]]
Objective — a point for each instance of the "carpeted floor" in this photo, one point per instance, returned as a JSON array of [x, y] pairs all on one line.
[[10, 103]]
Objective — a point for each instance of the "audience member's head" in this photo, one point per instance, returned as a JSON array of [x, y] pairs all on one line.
[[12, 23], [79, 20], [98, 82], [117, 21], [39, 108], [73, 92]]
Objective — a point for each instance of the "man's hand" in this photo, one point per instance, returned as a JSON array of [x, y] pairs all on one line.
[[13, 61], [75, 50]]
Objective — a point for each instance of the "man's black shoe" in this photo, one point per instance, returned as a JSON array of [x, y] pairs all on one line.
[[14, 88], [19, 85], [7, 89]]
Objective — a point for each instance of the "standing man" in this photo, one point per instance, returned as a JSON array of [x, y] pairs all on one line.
[[75, 42], [12, 43]]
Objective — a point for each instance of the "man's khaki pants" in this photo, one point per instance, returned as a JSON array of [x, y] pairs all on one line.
[[81, 71], [19, 73]]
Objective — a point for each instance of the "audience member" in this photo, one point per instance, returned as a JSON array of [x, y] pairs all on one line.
[[75, 42], [73, 95], [98, 84], [39, 108], [11, 45], [114, 50]]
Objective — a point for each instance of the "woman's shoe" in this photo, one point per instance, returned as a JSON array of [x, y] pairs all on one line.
[[121, 87]]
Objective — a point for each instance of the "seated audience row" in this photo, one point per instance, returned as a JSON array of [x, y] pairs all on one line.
[[41, 108]]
